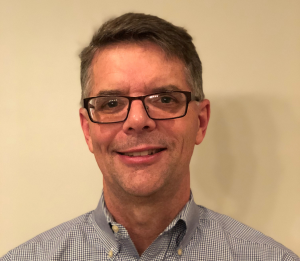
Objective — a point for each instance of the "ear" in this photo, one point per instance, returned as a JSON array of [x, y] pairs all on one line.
[[85, 125], [203, 117]]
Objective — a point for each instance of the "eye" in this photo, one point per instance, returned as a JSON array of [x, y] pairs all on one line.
[[166, 99], [108, 104], [163, 99], [112, 103]]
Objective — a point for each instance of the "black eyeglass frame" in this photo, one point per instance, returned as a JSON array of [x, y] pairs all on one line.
[[188, 95]]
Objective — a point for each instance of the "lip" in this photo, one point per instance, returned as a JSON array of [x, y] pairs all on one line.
[[140, 149], [140, 160]]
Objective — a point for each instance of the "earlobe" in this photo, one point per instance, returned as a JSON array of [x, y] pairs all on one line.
[[203, 118], [85, 125]]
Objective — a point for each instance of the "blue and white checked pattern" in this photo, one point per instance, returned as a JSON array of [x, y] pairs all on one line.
[[197, 233]]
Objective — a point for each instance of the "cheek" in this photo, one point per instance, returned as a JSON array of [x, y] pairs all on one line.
[[183, 132], [188, 131], [102, 136]]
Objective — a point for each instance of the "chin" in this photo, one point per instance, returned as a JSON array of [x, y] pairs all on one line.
[[142, 191]]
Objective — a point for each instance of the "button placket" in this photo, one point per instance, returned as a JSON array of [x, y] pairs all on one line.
[[112, 254]]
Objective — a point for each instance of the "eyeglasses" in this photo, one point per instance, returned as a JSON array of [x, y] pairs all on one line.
[[159, 106]]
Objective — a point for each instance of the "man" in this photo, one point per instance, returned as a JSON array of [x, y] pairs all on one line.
[[143, 111]]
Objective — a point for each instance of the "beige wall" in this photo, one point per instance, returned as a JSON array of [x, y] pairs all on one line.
[[248, 166]]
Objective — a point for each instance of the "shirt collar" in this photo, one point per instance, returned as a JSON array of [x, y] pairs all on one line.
[[189, 214], [100, 215]]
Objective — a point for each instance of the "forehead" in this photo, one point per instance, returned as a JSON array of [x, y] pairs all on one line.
[[136, 69]]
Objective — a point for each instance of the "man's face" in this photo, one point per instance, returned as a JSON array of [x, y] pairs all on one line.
[[135, 70]]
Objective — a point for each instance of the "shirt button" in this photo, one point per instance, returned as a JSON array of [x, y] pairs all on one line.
[[179, 251], [110, 254], [115, 228]]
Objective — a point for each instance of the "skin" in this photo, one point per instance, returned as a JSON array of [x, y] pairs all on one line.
[[144, 194]]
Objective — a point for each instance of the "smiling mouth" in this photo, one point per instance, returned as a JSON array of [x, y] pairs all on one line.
[[141, 153]]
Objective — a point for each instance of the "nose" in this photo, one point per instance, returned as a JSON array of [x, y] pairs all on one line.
[[138, 120]]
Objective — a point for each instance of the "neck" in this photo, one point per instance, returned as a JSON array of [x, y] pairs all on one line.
[[146, 217]]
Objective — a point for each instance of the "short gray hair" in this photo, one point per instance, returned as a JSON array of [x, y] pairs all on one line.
[[137, 28]]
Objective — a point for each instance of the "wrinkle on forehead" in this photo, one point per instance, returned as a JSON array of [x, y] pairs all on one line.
[[128, 77]]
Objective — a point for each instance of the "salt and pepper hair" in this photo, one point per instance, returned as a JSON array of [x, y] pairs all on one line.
[[138, 28]]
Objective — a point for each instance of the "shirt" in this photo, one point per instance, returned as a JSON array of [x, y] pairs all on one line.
[[196, 233]]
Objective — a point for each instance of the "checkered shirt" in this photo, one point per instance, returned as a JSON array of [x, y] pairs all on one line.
[[197, 233]]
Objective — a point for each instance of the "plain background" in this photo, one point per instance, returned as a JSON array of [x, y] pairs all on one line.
[[248, 165]]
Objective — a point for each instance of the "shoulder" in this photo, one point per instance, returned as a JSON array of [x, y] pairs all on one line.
[[240, 238], [67, 233]]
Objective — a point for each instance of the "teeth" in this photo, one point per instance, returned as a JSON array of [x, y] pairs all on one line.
[[142, 153]]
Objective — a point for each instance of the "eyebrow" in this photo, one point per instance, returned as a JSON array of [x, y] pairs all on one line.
[[110, 93], [166, 88]]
